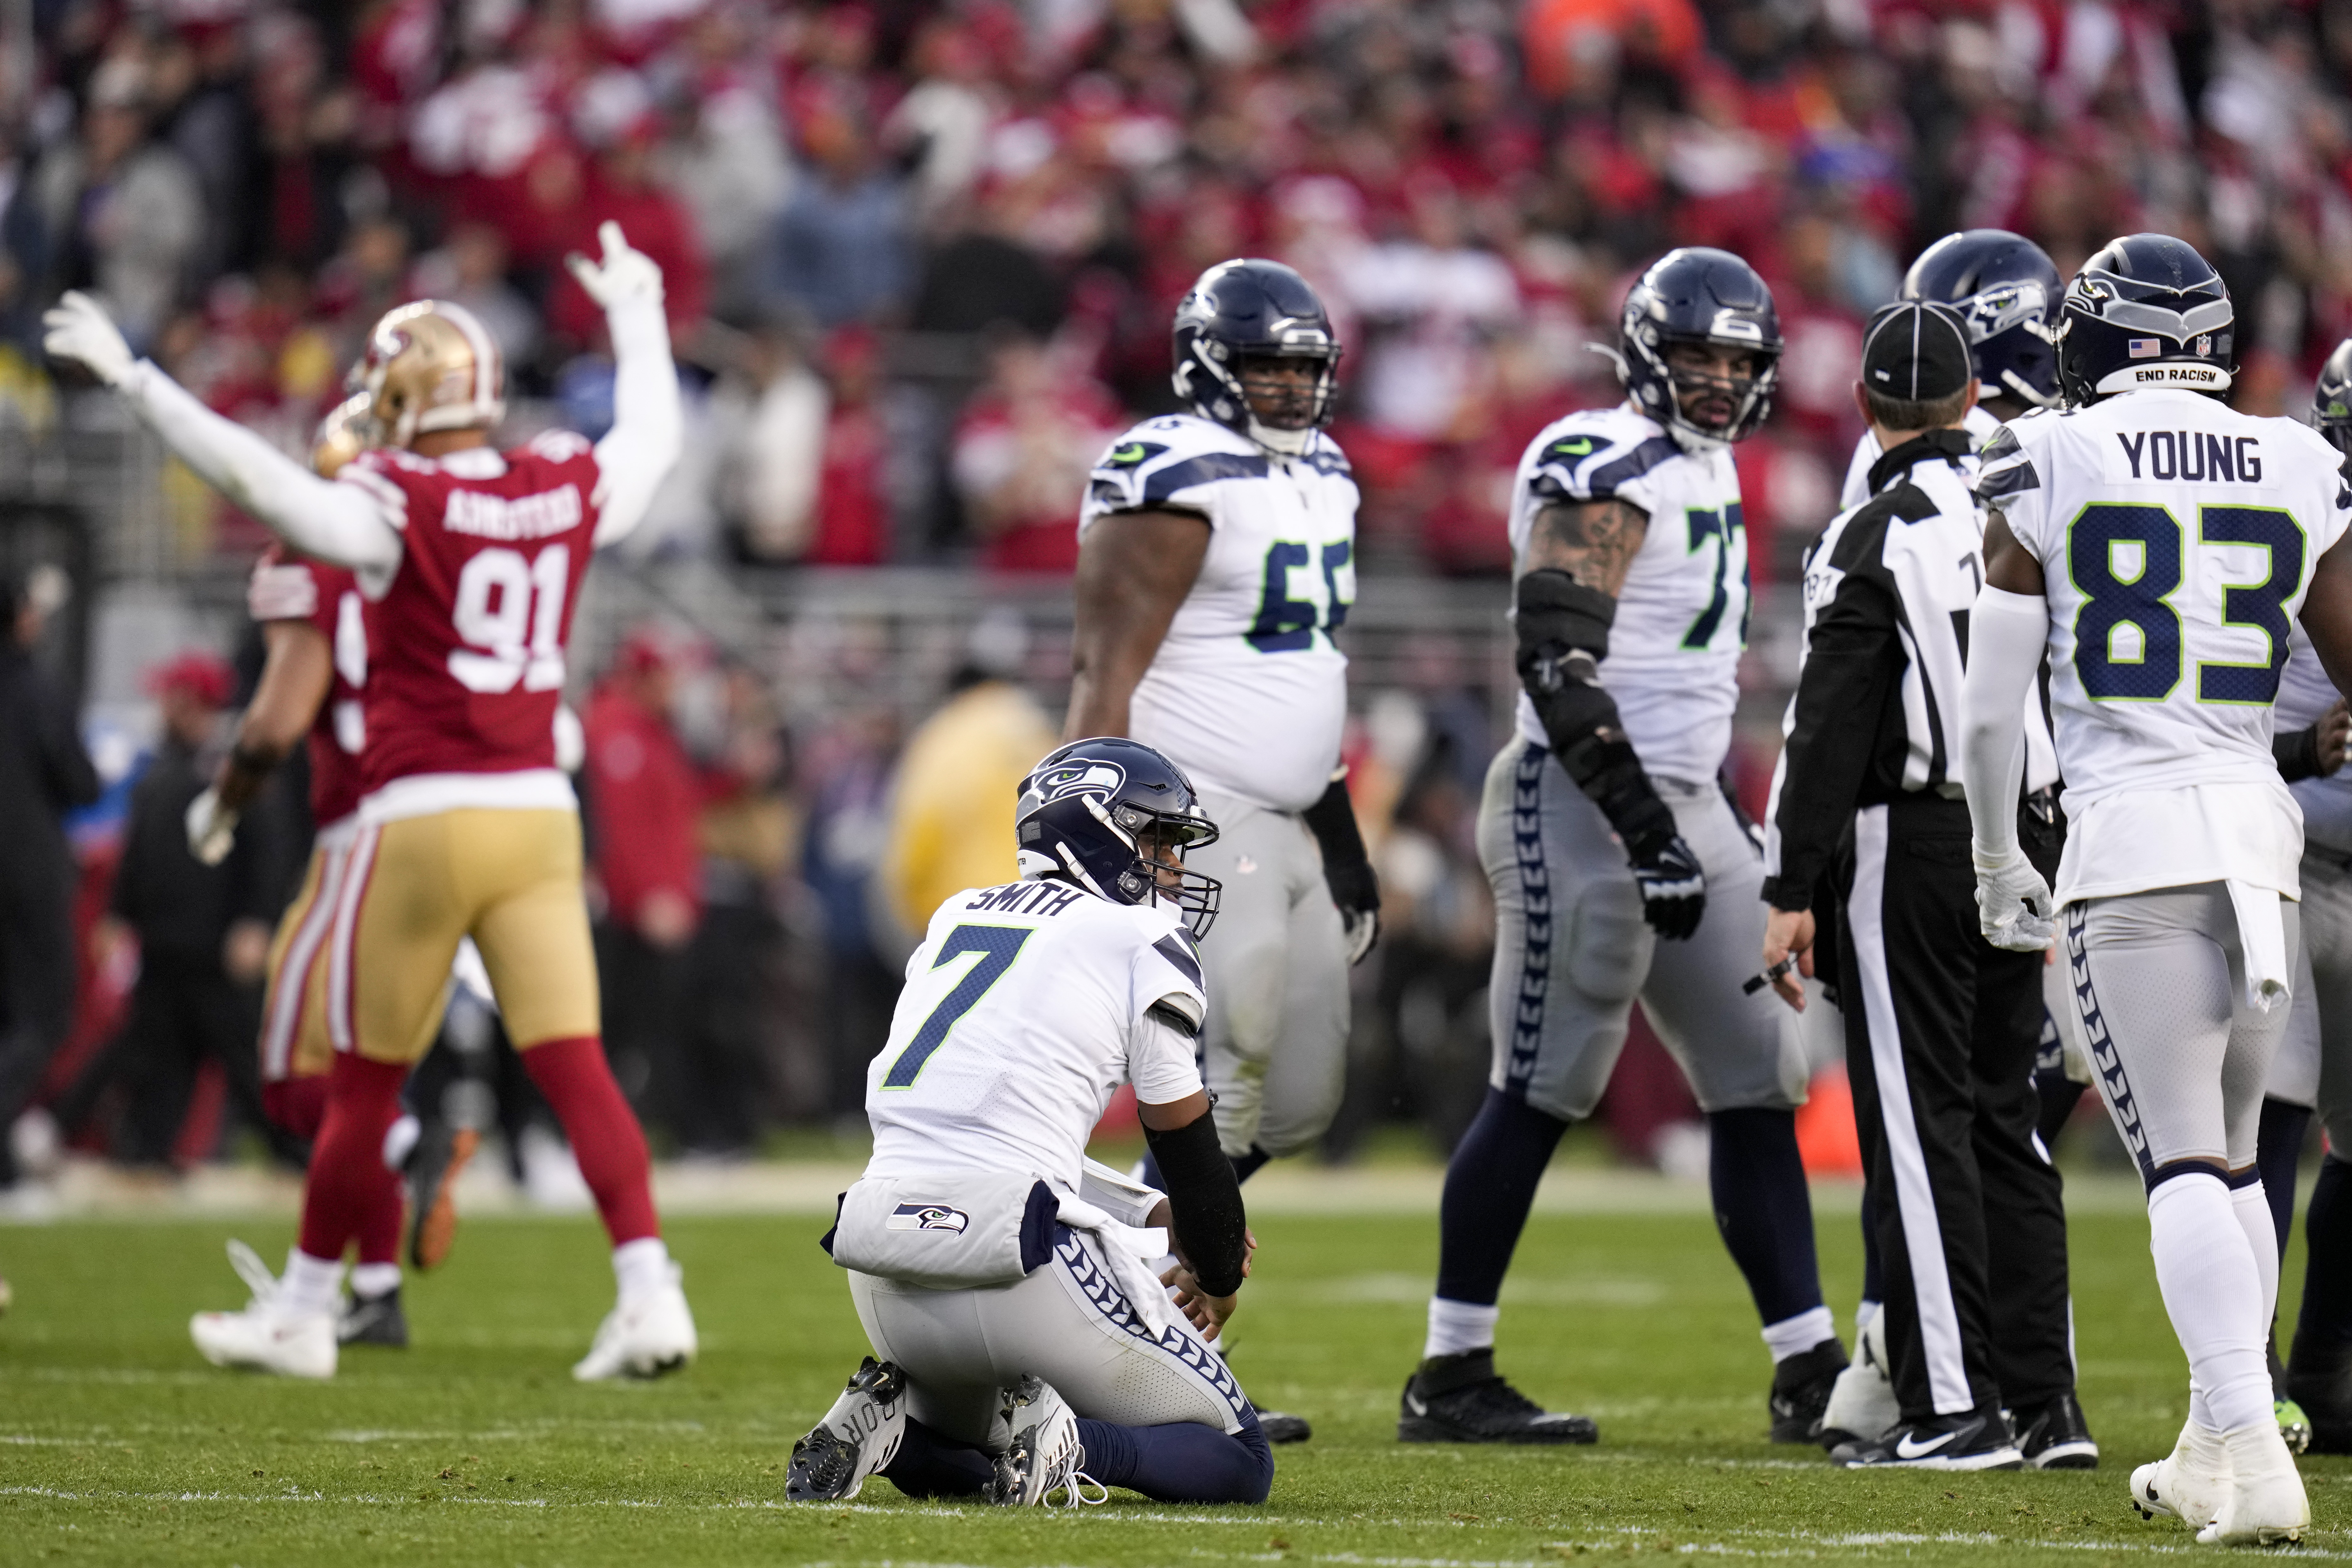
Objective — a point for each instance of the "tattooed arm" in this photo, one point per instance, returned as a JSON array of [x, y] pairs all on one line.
[[1577, 557], [1592, 540]]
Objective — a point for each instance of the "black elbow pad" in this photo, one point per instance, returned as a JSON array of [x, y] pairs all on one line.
[[1556, 615], [1211, 1228]]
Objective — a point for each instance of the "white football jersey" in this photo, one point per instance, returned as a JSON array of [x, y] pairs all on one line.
[[2305, 693], [2176, 540], [1022, 1013], [1682, 620], [1867, 451], [1247, 693]]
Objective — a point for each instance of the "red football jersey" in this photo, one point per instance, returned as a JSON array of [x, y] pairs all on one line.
[[469, 640], [287, 588]]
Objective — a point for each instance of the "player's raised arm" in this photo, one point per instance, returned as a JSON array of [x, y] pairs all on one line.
[[1134, 570], [1577, 556], [332, 521], [648, 423]]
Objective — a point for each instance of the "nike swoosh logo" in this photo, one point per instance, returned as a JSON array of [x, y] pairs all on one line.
[[1907, 1449], [1413, 1404], [1576, 448]]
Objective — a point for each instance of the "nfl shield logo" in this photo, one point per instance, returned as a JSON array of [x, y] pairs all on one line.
[[2205, 346], [2146, 348]]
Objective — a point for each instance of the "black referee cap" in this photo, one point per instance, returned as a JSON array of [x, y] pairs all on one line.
[[1916, 350]]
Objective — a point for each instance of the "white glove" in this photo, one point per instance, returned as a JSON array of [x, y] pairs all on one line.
[[626, 273], [2013, 903], [212, 828], [79, 328]]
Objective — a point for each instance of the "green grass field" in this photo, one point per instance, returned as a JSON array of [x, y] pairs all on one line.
[[119, 1446]]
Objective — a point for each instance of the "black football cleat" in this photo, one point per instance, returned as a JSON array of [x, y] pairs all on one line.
[[1280, 1426], [374, 1320], [1970, 1442], [2052, 1435], [433, 1169], [1459, 1399], [1800, 1391]]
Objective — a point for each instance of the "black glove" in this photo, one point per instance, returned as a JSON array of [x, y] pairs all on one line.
[[1674, 889], [1347, 869]]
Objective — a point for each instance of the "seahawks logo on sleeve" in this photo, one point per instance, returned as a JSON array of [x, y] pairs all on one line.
[[1594, 456], [2007, 470], [1165, 461]]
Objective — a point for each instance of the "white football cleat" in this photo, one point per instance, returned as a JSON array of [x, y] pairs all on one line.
[[265, 1336], [1044, 1455], [642, 1339], [859, 1435], [1861, 1401], [2264, 1504], [2188, 1484]]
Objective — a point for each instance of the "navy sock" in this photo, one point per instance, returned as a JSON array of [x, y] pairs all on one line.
[[929, 1464], [1764, 1209], [1874, 1283], [2278, 1149], [1181, 1462], [1490, 1184], [2325, 1328]]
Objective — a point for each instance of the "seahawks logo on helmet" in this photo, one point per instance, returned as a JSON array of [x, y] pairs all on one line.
[[1105, 779], [1996, 310]]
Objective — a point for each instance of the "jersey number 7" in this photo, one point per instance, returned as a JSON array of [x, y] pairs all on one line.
[[997, 946]]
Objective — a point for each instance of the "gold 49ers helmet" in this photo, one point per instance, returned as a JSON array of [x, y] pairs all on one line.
[[430, 365], [348, 430]]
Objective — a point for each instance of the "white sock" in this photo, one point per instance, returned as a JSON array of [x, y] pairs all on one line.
[[400, 1141], [1795, 1336], [373, 1279], [2213, 1294], [1863, 1311], [2254, 1210], [309, 1284], [1458, 1326], [2200, 1411], [642, 1267]]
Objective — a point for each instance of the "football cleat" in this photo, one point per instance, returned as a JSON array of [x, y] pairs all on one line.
[[2187, 1484], [2053, 1436], [1460, 1399], [2264, 1504], [1970, 1442], [857, 1436], [642, 1339], [372, 1320], [1863, 1405], [265, 1336], [432, 1170], [2295, 1427], [1280, 1426], [1044, 1455], [1801, 1386]]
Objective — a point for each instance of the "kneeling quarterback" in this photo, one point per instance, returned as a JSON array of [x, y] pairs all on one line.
[[1025, 1347]]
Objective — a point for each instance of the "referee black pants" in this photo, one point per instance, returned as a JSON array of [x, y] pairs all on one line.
[[1940, 1030]]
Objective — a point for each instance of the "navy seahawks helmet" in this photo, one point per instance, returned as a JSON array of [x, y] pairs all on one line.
[[2145, 312], [1244, 309], [1697, 295], [1085, 812], [2331, 402], [2006, 291]]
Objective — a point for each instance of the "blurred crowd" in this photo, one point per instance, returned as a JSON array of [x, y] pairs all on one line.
[[921, 254]]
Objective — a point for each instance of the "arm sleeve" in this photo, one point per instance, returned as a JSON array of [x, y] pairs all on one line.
[[649, 422], [1854, 653], [2007, 633], [2296, 752], [339, 522], [1212, 1226]]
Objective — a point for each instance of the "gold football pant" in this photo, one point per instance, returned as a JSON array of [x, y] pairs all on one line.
[[415, 885]]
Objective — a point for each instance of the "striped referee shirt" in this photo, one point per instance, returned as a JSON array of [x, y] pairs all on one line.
[[1888, 588]]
